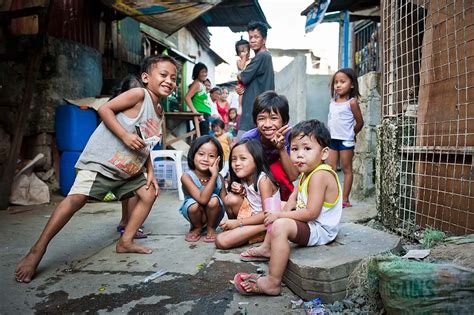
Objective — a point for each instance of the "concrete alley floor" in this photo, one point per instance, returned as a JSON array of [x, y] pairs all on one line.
[[82, 273]]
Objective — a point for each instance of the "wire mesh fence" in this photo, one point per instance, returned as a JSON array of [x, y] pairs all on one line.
[[428, 87]]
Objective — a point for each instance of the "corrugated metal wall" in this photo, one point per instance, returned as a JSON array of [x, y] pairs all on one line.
[[76, 20]]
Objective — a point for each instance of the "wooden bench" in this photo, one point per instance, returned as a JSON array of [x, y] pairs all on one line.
[[181, 116]]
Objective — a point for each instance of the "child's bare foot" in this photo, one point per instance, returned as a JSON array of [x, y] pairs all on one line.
[[260, 285], [26, 268], [210, 236], [259, 253], [123, 247]]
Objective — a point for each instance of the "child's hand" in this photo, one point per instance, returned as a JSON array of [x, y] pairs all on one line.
[[151, 180], [229, 225], [237, 188], [270, 217], [214, 168], [279, 139], [133, 141]]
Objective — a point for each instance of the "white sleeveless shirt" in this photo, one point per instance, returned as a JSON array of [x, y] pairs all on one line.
[[106, 154], [325, 227], [341, 120]]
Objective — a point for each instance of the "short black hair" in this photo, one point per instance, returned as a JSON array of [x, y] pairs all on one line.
[[260, 26], [261, 163], [270, 101], [217, 123], [197, 143], [354, 92], [197, 68], [148, 62], [215, 89], [241, 42], [311, 128]]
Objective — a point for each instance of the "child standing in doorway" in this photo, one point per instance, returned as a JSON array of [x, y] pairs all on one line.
[[315, 220], [344, 122], [204, 189], [251, 184], [113, 160]]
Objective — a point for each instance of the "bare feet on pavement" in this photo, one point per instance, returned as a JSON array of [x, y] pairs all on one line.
[[26, 268], [122, 247]]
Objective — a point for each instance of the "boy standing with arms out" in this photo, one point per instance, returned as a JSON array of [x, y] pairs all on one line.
[[113, 160], [318, 208], [258, 76]]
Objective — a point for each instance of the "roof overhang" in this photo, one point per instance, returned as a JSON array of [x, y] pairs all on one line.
[[342, 5], [166, 16], [235, 14]]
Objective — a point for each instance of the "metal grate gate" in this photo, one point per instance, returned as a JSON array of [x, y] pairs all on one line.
[[428, 87]]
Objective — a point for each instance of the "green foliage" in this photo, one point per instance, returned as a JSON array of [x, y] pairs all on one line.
[[432, 237]]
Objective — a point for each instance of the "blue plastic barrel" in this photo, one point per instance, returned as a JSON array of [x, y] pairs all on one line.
[[74, 126], [67, 172]]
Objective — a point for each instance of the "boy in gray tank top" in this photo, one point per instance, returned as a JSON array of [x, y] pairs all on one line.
[[115, 159]]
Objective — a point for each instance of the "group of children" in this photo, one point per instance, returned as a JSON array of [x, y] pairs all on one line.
[[259, 200]]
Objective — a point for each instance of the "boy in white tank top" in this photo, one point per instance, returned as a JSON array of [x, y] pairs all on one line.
[[317, 205]]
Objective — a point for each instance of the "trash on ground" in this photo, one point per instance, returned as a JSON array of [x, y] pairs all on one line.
[[417, 254], [155, 275], [314, 307]]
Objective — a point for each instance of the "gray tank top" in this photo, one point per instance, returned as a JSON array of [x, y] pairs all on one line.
[[106, 154]]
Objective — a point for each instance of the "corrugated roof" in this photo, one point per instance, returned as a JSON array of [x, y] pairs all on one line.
[[235, 14], [167, 16]]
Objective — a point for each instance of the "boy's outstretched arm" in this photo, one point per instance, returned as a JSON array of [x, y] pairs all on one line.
[[129, 103]]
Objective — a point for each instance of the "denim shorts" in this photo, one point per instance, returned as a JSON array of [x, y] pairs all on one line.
[[339, 145]]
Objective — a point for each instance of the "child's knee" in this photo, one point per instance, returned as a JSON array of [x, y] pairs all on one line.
[[148, 196], [221, 242], [213, 203], [232, 200], [280, 226], [193, 209]]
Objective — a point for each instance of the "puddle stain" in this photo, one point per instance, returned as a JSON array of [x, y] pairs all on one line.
[[211, 284]]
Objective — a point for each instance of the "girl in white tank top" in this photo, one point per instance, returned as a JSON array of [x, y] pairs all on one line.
[[344, 122]]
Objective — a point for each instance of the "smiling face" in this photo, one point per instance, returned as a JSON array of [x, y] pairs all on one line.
[[242, 163], [202, 76], [224, 94], [306, 153], [205, 157], [342, 84], [161, 80], [256, 40], [268, 124]]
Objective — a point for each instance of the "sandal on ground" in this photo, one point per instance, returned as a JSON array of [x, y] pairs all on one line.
[[251, 255], [346, 204], [252, 279], [210, 238], [192, 237], [139, 234]]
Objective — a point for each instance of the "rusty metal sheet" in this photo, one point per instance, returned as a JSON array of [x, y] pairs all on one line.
[[166, 16]]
